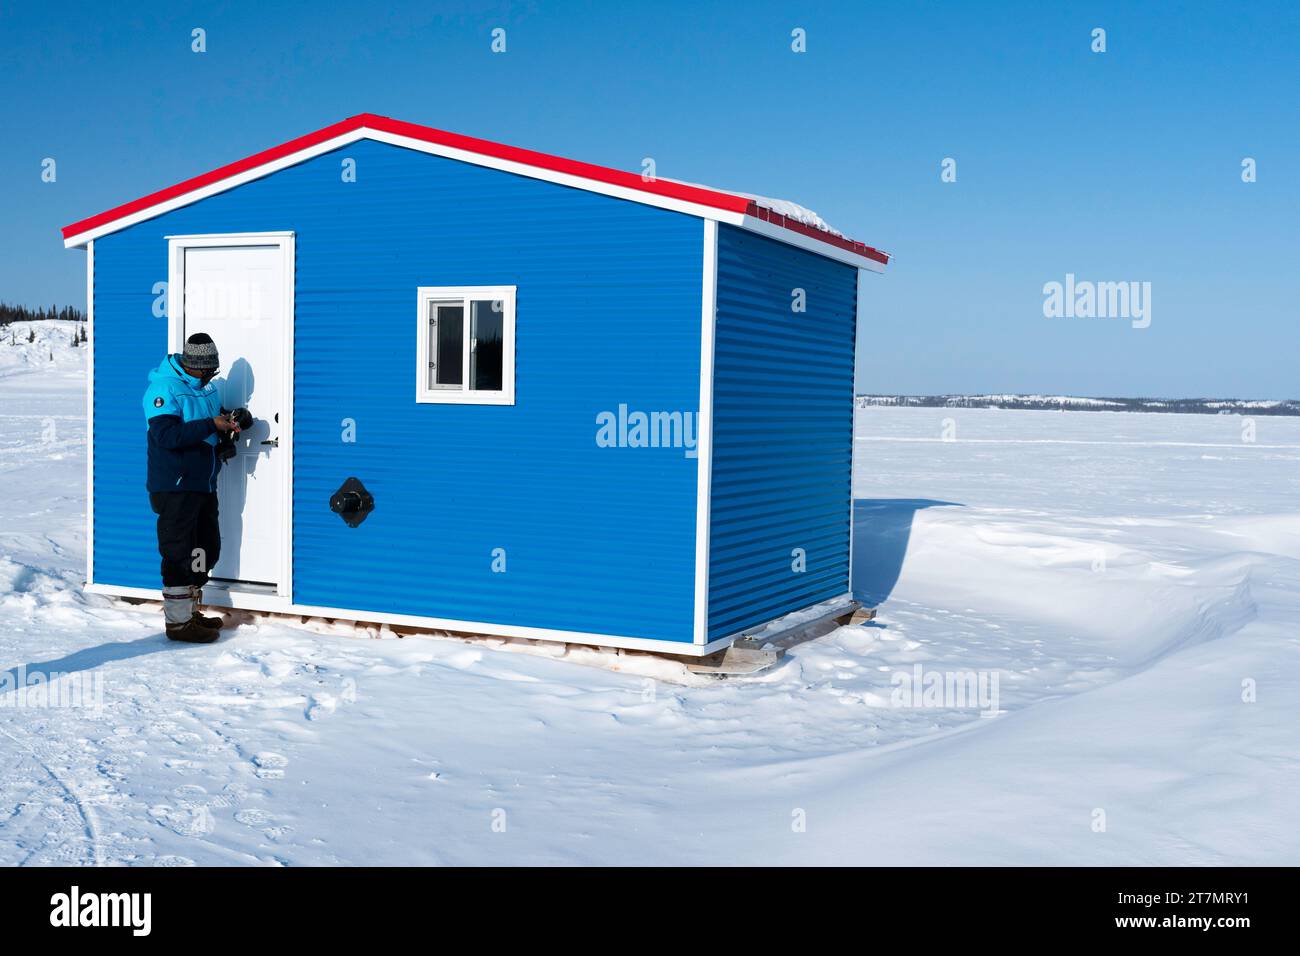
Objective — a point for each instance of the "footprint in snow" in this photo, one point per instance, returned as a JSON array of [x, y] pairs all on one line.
[[186, 821], [261, 820], [253, 817], [192, 796], [278, 668], [231, 794], [320, 705], [113, 768], [269, 766]]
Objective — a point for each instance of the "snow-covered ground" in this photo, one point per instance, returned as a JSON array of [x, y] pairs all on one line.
[[1128, 578]]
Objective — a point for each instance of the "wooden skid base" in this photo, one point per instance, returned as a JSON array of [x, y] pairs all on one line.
[[747, 656], [738, 660], [860, 616]]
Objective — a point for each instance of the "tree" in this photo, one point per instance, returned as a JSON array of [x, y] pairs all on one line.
[[21, 313]]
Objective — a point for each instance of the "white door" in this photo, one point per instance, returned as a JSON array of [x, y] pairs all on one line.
[[236, 294]]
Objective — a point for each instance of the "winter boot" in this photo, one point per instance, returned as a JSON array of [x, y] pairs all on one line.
[[178, 605], [192, 633], [212, 623], [179, 611]]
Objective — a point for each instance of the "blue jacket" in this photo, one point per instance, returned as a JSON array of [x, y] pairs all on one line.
[[182, 436]]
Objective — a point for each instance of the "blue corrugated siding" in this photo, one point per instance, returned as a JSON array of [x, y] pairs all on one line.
[[128, 339], [782, 431], [597, 540]]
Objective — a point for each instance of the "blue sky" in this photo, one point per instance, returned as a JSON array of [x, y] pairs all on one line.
[[1115, 166]]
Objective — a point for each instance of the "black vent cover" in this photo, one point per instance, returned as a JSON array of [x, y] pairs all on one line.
[[352, 502]]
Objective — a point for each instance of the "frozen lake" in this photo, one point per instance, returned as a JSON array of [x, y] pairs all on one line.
[[1085, 463], [1132, 581]]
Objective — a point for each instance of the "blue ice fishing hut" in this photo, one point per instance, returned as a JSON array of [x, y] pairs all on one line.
[[495, 391]]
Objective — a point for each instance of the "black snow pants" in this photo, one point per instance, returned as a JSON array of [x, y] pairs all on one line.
[[189, 536]]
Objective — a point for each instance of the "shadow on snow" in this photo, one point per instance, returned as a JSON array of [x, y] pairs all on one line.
[[882, 528], [87, 659]]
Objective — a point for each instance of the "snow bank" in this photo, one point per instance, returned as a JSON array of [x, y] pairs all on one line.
[[50, 347]]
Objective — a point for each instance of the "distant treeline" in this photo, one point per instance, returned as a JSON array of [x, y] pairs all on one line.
[[21, 313], [1056, 403]]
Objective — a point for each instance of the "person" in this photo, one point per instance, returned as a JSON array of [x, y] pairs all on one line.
[[190, 434]]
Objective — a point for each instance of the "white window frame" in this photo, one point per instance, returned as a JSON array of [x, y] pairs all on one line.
[[428, 294]]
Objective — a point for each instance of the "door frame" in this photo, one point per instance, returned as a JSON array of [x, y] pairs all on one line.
[[284, 241]]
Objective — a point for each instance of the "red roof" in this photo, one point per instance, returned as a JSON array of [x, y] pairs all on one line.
[[699, 195]]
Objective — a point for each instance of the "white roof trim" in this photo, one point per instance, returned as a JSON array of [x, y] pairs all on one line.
[[792, 238]]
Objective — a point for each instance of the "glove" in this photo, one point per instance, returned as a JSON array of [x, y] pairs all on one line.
[[243, 418], [225, 450]]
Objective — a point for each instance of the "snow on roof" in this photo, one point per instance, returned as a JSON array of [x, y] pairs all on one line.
[[744, 209], [782, 207], [793, 210]]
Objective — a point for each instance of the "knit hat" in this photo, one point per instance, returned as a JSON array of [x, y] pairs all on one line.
[[200, 352]]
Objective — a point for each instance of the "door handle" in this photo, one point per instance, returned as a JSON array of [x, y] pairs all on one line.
[[273, 442]]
